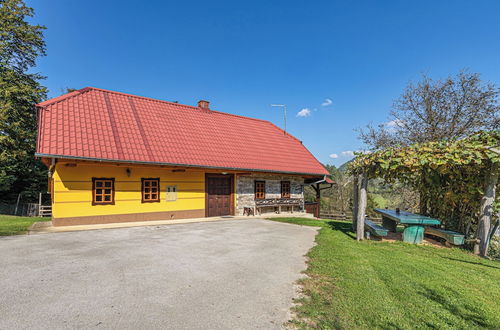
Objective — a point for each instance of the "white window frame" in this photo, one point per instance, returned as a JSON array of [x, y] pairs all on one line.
[[171, 193]]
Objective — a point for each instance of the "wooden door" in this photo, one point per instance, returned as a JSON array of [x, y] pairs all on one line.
[[219, 200]]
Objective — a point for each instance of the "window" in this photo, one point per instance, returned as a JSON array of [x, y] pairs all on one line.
[[150, 190], [103, 191], [260, 189], [171, 193], [285, 189]]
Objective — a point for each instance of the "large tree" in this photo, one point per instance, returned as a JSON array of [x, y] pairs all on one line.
[[432, 110], [21, 43]]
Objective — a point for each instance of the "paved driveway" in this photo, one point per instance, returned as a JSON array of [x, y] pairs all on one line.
[[236, 274]]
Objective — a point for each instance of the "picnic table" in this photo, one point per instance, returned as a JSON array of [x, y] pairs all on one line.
[[414, 224]]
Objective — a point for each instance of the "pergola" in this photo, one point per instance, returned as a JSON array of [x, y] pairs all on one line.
[[460, 171]]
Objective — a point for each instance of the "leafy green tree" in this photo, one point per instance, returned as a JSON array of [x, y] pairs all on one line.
[[21, 43]]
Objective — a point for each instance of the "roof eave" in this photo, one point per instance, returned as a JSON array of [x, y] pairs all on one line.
[[38, 154]]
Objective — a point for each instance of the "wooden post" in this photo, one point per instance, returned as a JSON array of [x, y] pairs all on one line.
[[360, 224], [355, 198], [17, 203], [486, 209], [40, 204], [318, 200]]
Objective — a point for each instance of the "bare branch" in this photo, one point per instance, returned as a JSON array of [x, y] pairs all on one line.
[[433, 110]]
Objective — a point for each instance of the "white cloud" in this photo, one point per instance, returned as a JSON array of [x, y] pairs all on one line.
[[327, 102], [349, 153], [304, 113], [393, 124]]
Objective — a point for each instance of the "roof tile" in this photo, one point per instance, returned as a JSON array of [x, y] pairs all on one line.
[[94, 123]]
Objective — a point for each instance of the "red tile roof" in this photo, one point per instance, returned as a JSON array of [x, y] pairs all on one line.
[[98, 124]]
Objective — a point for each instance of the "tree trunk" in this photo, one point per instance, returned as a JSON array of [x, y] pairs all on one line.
[[486, 209], [355, 198], [360, 224], [494, 229], [476, 247]]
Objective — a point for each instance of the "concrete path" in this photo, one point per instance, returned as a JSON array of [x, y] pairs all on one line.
[[46, 226], [212, 275]]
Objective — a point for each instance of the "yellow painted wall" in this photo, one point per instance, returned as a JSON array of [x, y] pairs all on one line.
[[73, 189]]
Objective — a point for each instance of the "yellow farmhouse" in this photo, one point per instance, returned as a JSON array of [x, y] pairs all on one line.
[[115, 157]]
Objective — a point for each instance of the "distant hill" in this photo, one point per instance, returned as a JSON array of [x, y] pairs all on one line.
[[343, 167]]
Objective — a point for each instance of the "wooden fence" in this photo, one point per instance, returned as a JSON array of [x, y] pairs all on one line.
[[346, 216], [45, 211], [26, 210], [313, 208]]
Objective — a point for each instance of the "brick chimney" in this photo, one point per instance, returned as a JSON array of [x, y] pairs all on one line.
[[203, 104]]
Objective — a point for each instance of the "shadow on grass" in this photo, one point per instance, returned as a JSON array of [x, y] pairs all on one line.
[[345, 227], [457, 305], [471, 262]]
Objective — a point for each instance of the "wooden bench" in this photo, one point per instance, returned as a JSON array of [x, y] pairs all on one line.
[[375, 229], [278, 203], [450, 236]]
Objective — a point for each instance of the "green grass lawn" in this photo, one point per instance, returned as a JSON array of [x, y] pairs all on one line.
[[12, 225], [385, 285]]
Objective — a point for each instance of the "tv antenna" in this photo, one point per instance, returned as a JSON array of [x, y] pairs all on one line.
[[284, 112]]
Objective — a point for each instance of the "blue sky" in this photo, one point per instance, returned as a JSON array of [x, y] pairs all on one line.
[[340, 64]]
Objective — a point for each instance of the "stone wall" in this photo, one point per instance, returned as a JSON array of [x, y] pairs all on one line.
[[245, 189]]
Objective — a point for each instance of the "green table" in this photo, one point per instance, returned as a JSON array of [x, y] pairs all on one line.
[[414, 224]]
